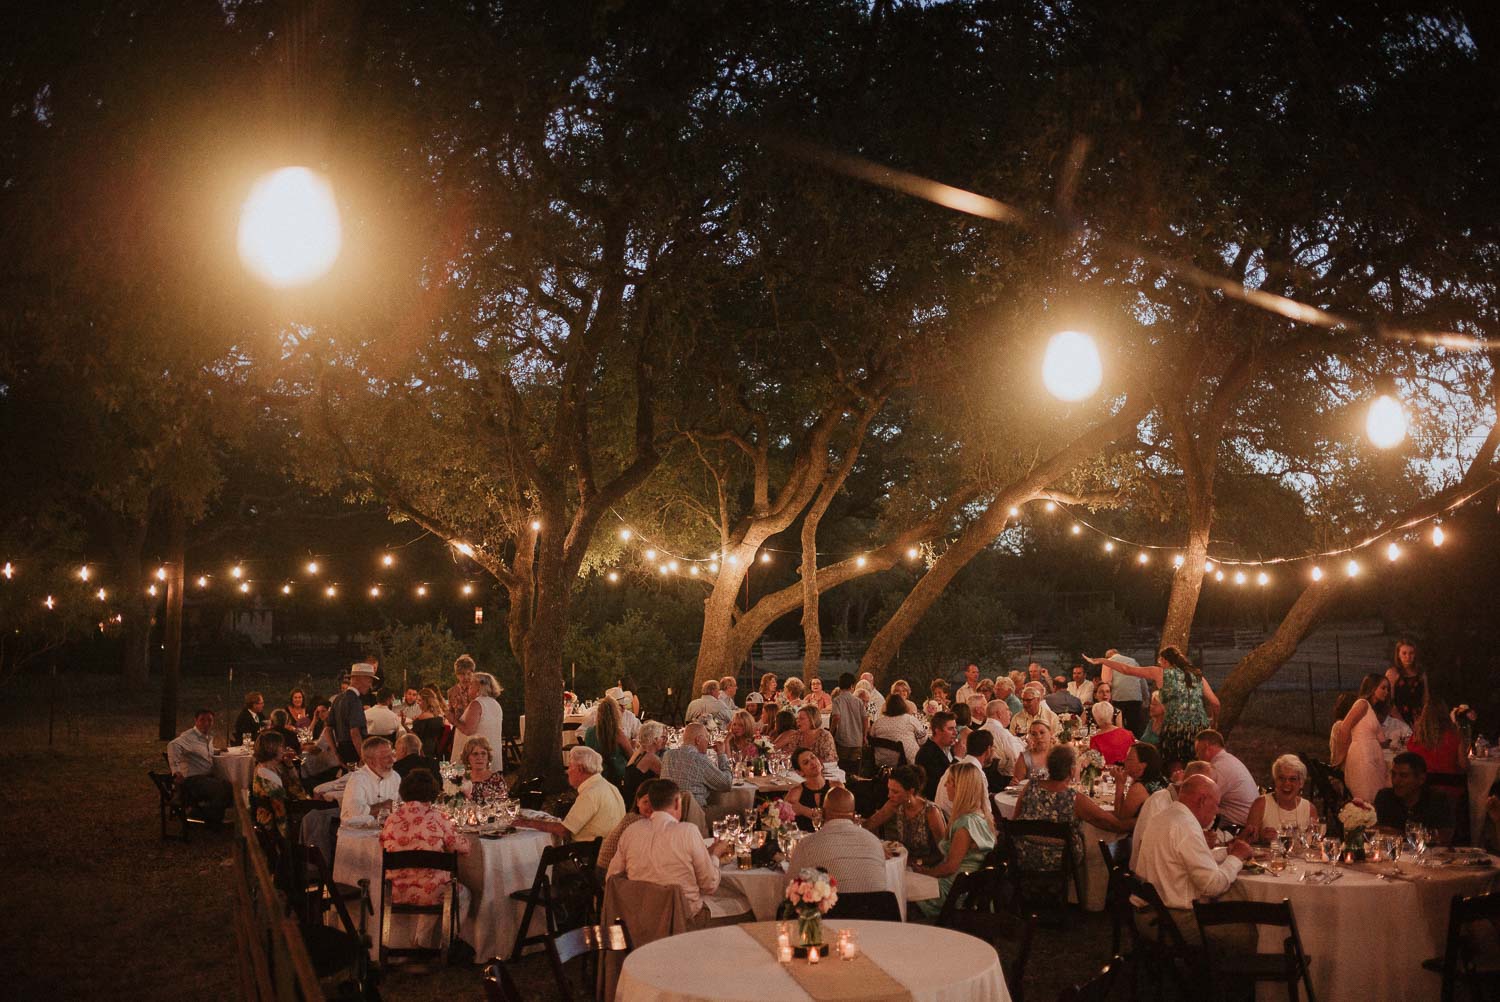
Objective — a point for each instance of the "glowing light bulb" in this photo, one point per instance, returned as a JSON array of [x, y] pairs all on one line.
[[613, 577], [312, 567], [421, 591], [245, 587], [672, 566], [1386, 422], [468, 589], [1262, 579], [1071, 369], [860, 561], [236, 571], [625, 535], [1393, 552], [161, 574], [713, 568], [911, 553], [330, 591], [51, 602], [375, 591], [286, 589], [1317, 574], [731, 560], [765, 558], [1014, 511], [83, 573], [101, 594], [151, 590], [650, 554], [693, 570], [8, 570], [1208, 566], [536, 526], [661, 569], [1239, 577], [202, 581], [1352, 568], [388, 560], [1218, 575], [1178, 560], [1077, 529], [1109, 546], [1437, 535], [289, 230], [464, 548]]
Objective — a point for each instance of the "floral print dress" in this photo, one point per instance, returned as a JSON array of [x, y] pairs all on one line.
[[418, 825], [1182, 698], [1038, 804]]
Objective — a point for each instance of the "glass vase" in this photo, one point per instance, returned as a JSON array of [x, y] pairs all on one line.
[[809, 928]]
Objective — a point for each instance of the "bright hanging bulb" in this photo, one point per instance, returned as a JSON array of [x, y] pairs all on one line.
[[464, 548], [1077, 529], [650, 554], [161, 574], [536, 526], [289, 232], [202, 581], [101, 593], [388, 560], [1239, 577], [693, 570], [613, 577], [8, 570], [1262, 579], [860, 561], [330, 591], [1218, 575], [1178, 560], [1143, 557], [236, 571], [1208, 566], [1393, 553], [731, 560], [312, 567], [375, 591], [713, 568], [672, 566], [51, 602], [661, 569], [151, 590], [83, 573], [625, 535], [1437, 535], [286, 589], [1050, 506], [765, 558], [1386, 422], [1109, 546], [421, 591], [911, 553], [1352, 568], [468, 589], [244, 587], [1071, 369], [1317, 573], [1014, 511]]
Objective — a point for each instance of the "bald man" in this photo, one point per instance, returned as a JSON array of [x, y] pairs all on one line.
[[1160, 801], [851, 855], [1178, 862]]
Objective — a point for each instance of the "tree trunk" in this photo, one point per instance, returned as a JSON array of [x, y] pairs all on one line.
[[1266, 660], [1187, 587], [541, 657], [812, 632], [718, 655], [172, 663]]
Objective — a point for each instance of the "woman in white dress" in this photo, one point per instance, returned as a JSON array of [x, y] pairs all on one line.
[[1364, 740], [482, 717], [1284, 806]]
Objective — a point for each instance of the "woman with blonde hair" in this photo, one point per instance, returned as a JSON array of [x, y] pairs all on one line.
[[645, 763], [970, 835], [607, 737], [482, 717], [484, 779], [741, 735], [1284, 806]]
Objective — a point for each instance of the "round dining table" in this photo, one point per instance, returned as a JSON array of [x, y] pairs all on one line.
[[727, 964], [1482, 774], [235, 766], [1094, 877], [764, 887], [1366, 933]]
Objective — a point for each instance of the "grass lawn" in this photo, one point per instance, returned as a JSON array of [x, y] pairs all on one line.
[[97, 903]]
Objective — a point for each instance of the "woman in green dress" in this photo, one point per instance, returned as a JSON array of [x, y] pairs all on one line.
[[971, 834], [1186, 697], [605, 737]]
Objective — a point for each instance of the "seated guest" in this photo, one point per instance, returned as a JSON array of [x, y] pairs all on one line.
[[1008, 747], [1054, 799], [298, 712], [1032, 762], [1081, 687], [483, 779], [1409, 798], [907, 817], [970, 836], [383, 719], [937, 697], [1032, 708], [274, 782], [1436, 739], [599, 806], [1176, 859], [1005, 688], [190, 756], [320, 713], [741, 739], [1102, 691], [1284, 806], [645, 764], [792, 694], [638, 812], [784, 734], [373, 787], [249, 722], [1136, 779], [282, 724], [978, 711], [1110, 739], [1160, 801], [707, 705], [813, 736], [902, 688], [806, 798], [936, 753], [1060, 700], [979, 751], [1237, 788], [410, 707], [851, 855], [607, 737], [692, 768], [817, 697], [1156, 717], [409, 756], [415, 825], [430, 721], [897, 723], [768, 685], [666, 851]]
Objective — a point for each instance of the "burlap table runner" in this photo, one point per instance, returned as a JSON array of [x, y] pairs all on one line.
[[835, 980]]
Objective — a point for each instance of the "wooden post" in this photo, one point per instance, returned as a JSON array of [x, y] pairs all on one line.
[[1312, 709]]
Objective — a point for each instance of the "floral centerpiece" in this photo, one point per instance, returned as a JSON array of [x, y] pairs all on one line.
[[1067, 723], [1090, 767], [777, 816], [1356, 817], [809, 895]]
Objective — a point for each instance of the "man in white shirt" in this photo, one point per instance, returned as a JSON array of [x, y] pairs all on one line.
[[372, 786], [728, 686], [664, 850], [876, 697], [599, 806], [1081, 687], [970, 686], [1032, 708], [1158, 802], [708, 705], [851, 855], [1177, 861], [190, 757], [411, 706], [1007, 745], [383, 721], [1237, 789]]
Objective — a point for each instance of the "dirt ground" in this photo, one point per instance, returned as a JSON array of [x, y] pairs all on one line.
[[96, 903]]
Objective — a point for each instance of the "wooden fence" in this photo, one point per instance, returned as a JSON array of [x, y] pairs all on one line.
[[273, 964]]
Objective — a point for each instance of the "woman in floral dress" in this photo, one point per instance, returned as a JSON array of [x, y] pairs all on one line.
[[416, 824], [274, 783], [1186, 697]]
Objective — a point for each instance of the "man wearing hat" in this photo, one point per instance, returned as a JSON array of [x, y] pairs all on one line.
[[347, 715]]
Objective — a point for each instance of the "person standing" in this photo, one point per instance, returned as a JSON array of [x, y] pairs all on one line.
[[1128, 693], [482, 716], [347, 715], [1363, 740], [1408, 682], [849, 724], [462, 690], [1186, 697]]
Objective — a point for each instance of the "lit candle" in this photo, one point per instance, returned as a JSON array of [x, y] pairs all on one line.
[[812, 955], [847, 949], [784, 953], [783, 935]]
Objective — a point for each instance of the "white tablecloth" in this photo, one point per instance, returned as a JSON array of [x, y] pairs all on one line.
[[235, 765], [489, 872], [765, 889], [1482, 773], [739, 797], [1367, 937], [1095, 875], [726, 965]]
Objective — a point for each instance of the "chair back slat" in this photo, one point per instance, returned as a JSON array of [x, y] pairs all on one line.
[[420, 859]]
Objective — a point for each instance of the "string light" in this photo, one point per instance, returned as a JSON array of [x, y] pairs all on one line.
[[661, 569], [1109, 546], [312, 567], [859, 561], [693, 570], [1077, 529], [713, 567], [83, 573], [244, 587], [8, 570], [1014, 511], [1393, 553], [1437, 535], [731, 560], [1050, 506], [421, 591], [51, 602], [1143, 557], [202, 581], [236, 571], [650, 554], [765, 558], [161, 574], [101, 593], [1208, 567], [536, 526], [613, 577], [330, 591], [1218, 575], [151, 590], [375, 591], [468, 589], [1352, 568], [672, 566], [286, 589], [388, 560], [911, 553], [1386, 422], [1263, 579], [1239, 577], [1317, 573], [1178, 560], [1071, 369], [625, 535]]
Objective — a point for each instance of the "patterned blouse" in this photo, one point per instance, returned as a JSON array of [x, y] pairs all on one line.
[[492, 787], [1038, 804], [270, 791], [418, 825], [913, 833]]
